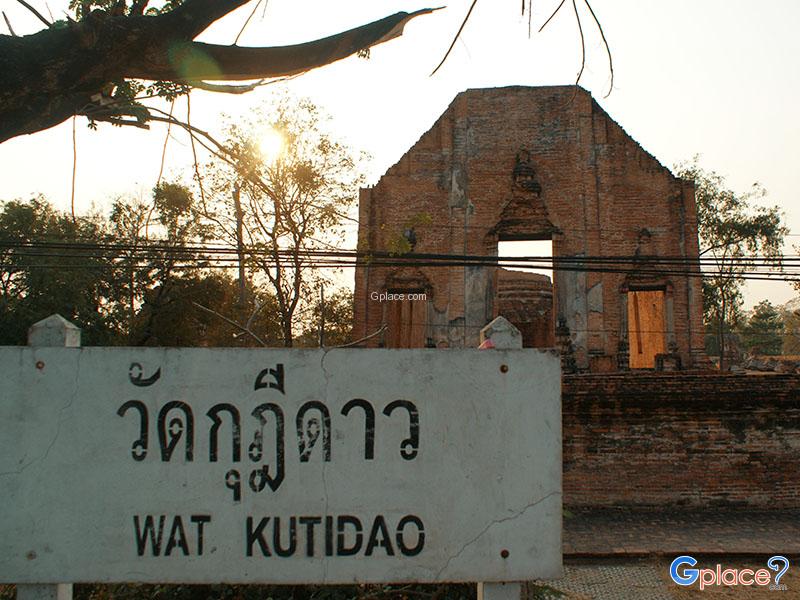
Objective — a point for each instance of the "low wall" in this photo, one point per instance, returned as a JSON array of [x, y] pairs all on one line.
[[681, 439]]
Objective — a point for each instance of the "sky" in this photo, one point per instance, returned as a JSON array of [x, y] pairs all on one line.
[[716, 78]]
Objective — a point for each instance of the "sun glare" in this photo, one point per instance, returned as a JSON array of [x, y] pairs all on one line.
[[271, 145]]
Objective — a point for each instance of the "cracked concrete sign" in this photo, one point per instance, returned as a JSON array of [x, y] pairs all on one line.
[[279, 466]]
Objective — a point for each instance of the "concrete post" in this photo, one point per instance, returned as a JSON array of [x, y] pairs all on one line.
[[500, 591], [53, 331], [500, 334], [48, 591], [56, 331]]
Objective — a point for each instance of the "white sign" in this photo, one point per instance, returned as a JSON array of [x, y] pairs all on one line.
[[279, 466]]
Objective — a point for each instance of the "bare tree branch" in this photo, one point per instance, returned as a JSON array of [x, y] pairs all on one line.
[[249, 17], [8, 24], [252, 317], [583, 42], [164, 149], [35, 12], [605, 43], [194, 150], [550, 18], [231, 322], [364, 339], [455, 38], [74, 168]]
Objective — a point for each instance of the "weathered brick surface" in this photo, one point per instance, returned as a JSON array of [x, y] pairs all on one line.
[[601, 195], [526, 300], [681, 439]]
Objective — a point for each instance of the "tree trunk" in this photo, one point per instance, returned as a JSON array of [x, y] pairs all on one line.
[[721, 339], [288, 334], [237, 205]]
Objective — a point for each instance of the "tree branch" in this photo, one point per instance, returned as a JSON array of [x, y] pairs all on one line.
[[225, 89], [363, 339], [8, 24], [200, 61], [608, 48], [583, 42], [550, 18], [455, 38], [49, 76], [193, 17], [231, 322], [137, 8], [35, 12]]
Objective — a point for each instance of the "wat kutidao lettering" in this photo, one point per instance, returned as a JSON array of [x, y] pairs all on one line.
[[278, 466]]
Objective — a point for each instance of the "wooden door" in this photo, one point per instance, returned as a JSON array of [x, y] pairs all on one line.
[[405, 320], [646, 328]]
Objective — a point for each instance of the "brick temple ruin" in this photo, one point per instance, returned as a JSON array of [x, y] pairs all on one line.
[[536, 163]]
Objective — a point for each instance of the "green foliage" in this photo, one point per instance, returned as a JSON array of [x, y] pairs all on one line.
[[83, 8], [37, 282], [136, 293], [712, 337], [404, 241], [762, 332], [149, 281], [125, 95], [170, 316], [338, 313], [173, 204], [168, 90], [142, 276], [731, 230], [791, 331]]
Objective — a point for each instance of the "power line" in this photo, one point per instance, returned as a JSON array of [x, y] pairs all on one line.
[[166, 247], [205, 256]]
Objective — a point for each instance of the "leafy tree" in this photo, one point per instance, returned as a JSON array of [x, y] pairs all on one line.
[[279, 209], [335, 314], [791, 331], [762, 333], [147, 268], [732, 233], [116, 283], [37, 281], [128, 222], [730, 338], [171, 315], [95, 62]]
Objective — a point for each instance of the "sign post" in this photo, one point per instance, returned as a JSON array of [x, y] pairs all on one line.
[[500, 334], [175, 465], [54, 331]]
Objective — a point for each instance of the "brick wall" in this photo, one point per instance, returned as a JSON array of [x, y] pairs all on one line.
[[600, 194], [681, 439]]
